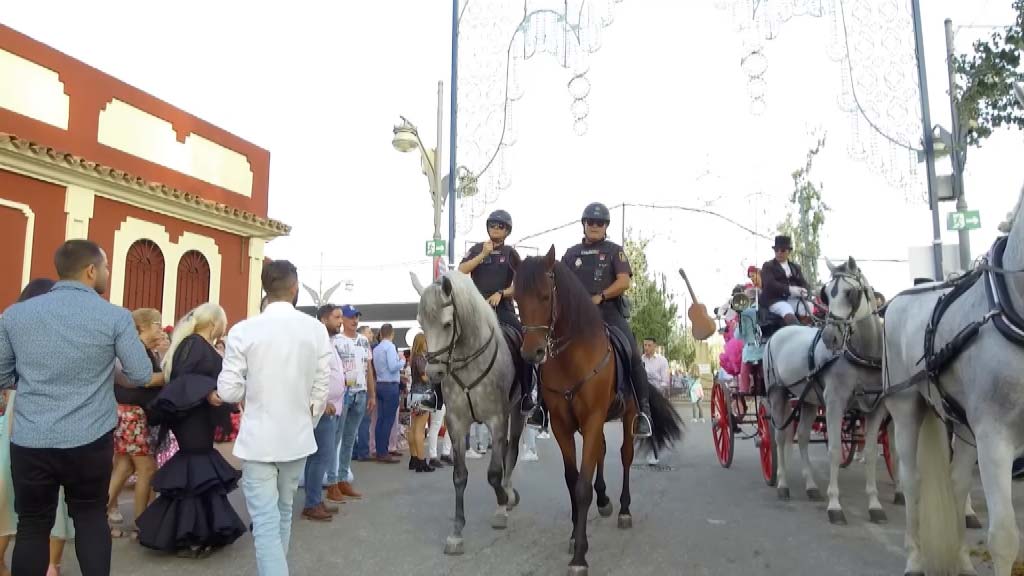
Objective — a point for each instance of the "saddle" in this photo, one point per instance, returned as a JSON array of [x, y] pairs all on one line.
[[514, 339]]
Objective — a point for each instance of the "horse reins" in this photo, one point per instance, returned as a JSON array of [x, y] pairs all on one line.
[[453, 364], [554, 346]]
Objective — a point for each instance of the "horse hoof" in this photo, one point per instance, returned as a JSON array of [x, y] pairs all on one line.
[[453, 546], [783, 493], [973, 523], [606, 510], [577, 571], [877, 516], [814, 495], [499, 521], [625, 521], [837, 517], [899, 499]]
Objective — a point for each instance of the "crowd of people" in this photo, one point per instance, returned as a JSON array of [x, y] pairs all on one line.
[[109, 398]]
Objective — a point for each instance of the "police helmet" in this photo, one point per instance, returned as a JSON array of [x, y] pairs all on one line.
[[501, 216], [596, 211]]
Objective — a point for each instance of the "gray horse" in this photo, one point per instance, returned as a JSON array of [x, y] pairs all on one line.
[[985, 380], [468, 353], [790, 367]]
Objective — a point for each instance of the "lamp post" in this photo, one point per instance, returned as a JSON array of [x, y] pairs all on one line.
[[406, 139], [959, 153], [929, 143]]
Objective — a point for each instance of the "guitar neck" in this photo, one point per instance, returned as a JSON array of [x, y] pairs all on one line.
[[693, 297]]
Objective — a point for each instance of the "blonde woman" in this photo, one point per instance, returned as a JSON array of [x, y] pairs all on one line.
[[133, 452], [420, 418], [192, 516]]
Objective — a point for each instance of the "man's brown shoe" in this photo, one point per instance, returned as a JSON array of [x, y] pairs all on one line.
[[330, 508], [347, 490], [334, 494], [389, 459], [317, 514]]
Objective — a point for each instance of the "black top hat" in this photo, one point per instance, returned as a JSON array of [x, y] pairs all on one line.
[[783, 242]]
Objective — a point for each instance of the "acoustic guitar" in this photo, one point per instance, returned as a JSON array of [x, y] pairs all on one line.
[[702, 326]]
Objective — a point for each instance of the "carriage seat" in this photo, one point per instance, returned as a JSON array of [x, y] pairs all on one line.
[[769, 323]]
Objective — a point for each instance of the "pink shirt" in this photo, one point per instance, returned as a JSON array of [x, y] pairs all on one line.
[[336, 382]]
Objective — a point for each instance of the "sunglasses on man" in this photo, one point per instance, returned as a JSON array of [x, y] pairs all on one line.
[[497, 225], [595, 223]]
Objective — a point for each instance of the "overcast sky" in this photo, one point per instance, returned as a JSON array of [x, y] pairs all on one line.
[[670, 122]]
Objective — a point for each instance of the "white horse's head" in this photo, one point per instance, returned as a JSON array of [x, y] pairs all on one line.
[[452, 313], [849, 298]]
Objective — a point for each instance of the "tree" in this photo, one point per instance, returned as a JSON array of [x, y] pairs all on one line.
[[985, 82], [804, 227], [654, 311]]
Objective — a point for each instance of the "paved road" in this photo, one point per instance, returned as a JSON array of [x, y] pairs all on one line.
[[690, 517]]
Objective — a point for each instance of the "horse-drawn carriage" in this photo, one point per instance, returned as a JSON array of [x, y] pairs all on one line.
[[744, 412]]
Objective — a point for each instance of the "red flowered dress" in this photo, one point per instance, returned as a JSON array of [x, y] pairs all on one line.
[[131, 437]]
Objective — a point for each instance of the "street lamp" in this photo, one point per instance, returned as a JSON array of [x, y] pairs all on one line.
[[406, 139]]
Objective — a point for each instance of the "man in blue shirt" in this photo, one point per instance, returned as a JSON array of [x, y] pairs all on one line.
[[387, 365], [59, 350]]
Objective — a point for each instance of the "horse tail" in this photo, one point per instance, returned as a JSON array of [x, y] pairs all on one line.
[[941, 521], [666, 425]]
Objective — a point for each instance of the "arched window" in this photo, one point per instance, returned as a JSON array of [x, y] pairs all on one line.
[[193, 282], [144, 276]]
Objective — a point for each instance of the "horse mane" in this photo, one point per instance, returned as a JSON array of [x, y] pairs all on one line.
[[472, 307], [574, 302]]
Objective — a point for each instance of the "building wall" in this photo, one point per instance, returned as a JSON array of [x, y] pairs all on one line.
[[66, 104], [116, 226], [28, 205]]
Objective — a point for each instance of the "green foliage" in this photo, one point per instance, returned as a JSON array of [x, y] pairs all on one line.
[[654, 309], [985, 81], [804, 227]]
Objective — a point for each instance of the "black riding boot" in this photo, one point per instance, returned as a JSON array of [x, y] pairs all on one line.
[[642, 422], [435, 400], [536, 418], [527, 405]]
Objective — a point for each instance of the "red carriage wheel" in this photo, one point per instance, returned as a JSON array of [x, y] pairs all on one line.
[[848, 441], [885, 440], [766, 444], [721, 426]]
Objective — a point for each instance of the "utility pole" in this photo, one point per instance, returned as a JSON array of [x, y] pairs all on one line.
[[959, 153], [929, 143], [452, 166]]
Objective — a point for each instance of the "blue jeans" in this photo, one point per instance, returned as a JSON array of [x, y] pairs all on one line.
[[387, 406], [269, 489], [348, 425], [362, 446], [316, 463]]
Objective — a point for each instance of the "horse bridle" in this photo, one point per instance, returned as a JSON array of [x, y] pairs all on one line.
[[845, 324], [454, 364], [552, 345]]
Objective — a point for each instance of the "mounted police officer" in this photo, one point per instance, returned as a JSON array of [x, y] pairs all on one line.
[[492, 265], [602, 267]]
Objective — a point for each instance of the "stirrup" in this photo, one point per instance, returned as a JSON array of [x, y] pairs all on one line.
[[636, 426], [536, 418]]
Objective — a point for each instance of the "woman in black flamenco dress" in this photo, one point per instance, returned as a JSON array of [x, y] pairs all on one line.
[[192, 515]]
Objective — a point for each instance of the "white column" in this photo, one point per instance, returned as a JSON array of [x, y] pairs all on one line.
[[78, 205], [30, 227], [256, 246]]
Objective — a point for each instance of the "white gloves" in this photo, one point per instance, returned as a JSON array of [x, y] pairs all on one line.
[[797, 292]]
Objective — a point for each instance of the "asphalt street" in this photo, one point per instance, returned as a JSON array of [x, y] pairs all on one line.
[[690, 517]]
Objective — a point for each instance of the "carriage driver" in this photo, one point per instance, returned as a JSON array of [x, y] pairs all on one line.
[[492, 265], [602, 267], [785, 289]]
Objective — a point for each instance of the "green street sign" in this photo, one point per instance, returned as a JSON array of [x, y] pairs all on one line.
[[435, 248], [967, 220]]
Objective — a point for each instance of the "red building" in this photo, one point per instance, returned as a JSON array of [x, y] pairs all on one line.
[[179, 205]]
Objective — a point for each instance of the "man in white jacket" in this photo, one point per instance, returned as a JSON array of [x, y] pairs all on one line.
[[279, 364]]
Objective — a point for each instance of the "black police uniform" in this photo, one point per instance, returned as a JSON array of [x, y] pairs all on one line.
[[597, 265], [494, 274]]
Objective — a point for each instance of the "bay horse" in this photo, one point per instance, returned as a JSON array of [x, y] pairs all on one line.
[[565, 334]]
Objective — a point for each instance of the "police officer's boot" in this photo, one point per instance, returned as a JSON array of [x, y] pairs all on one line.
[[642, 423], [434, 400], [526, 379]]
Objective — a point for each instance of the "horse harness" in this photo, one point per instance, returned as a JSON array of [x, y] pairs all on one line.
[[554, 346], [453, 364], [1006, 320]]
